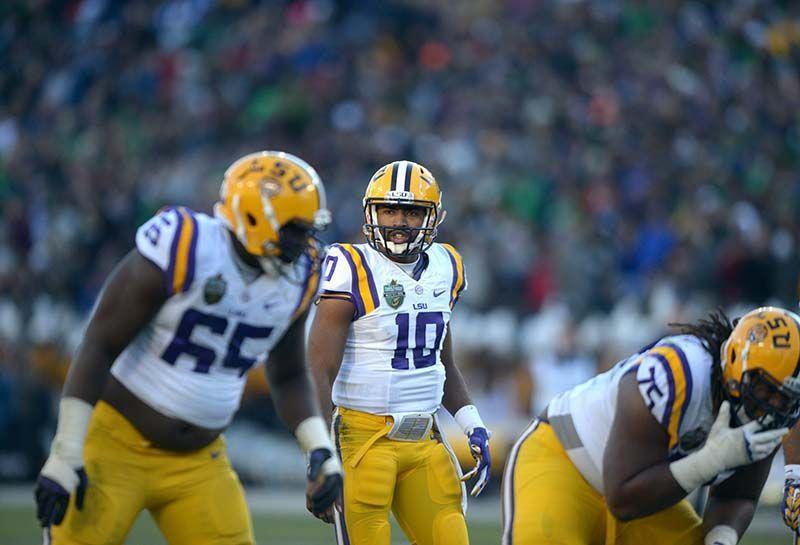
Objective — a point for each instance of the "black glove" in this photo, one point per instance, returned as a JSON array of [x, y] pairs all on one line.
[[324, 483], [52, 498]]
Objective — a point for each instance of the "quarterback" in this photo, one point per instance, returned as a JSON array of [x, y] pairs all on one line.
[[611, 461], [380, 350], [161, 368]]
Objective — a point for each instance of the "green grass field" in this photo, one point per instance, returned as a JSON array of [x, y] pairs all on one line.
[[18, 527]]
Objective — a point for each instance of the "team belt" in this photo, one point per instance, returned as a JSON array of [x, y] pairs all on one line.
[[410, 426], [402, 427]]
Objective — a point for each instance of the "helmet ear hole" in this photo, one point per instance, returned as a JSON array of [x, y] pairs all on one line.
[[733, 355], [251, 219]]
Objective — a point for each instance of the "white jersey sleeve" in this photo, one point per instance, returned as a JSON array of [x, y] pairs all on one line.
[[336, 275], [343, 272], [169, 241], [665, 383]]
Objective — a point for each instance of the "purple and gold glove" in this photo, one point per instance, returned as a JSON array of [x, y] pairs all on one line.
[[479, 447], [790, 505]]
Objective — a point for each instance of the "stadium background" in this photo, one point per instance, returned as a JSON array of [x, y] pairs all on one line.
[[608, 167]]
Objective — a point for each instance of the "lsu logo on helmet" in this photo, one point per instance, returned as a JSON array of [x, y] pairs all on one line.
[[760, 367], [403, 183], [271, 200]]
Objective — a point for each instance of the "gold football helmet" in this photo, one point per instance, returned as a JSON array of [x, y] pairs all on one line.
[[760, 366], [403, 183], [273, 202]]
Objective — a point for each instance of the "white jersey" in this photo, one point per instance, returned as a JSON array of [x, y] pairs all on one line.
[[190, 361], [674, 377], [392, 356]]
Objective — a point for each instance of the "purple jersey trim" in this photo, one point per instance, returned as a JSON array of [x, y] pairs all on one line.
[[420, 267]]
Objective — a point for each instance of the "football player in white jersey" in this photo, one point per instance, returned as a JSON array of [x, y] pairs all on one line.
[[161, 369], [381, 340], [612, 460]]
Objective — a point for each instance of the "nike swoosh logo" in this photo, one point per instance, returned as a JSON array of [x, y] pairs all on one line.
[[438, 293]]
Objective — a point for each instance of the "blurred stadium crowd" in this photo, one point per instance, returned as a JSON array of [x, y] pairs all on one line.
[[607, 166]]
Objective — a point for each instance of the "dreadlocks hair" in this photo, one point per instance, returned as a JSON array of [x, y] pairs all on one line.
[[712, 332]]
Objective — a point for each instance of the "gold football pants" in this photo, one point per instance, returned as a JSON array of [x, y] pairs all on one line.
[[195, 497], [546, 501], [418, 481]]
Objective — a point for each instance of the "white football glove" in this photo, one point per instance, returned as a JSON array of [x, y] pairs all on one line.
[[726, 448]]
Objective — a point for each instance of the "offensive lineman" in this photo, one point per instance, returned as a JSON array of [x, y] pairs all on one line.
[[611, 461], [380, 339], [179, 323]]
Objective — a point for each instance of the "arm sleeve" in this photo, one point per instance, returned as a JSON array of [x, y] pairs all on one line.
[[665, 383], [169, 241]]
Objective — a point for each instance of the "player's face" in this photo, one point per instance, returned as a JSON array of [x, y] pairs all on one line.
[[403, 217]]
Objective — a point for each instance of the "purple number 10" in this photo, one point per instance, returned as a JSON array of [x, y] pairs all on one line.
[[421, 359]]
